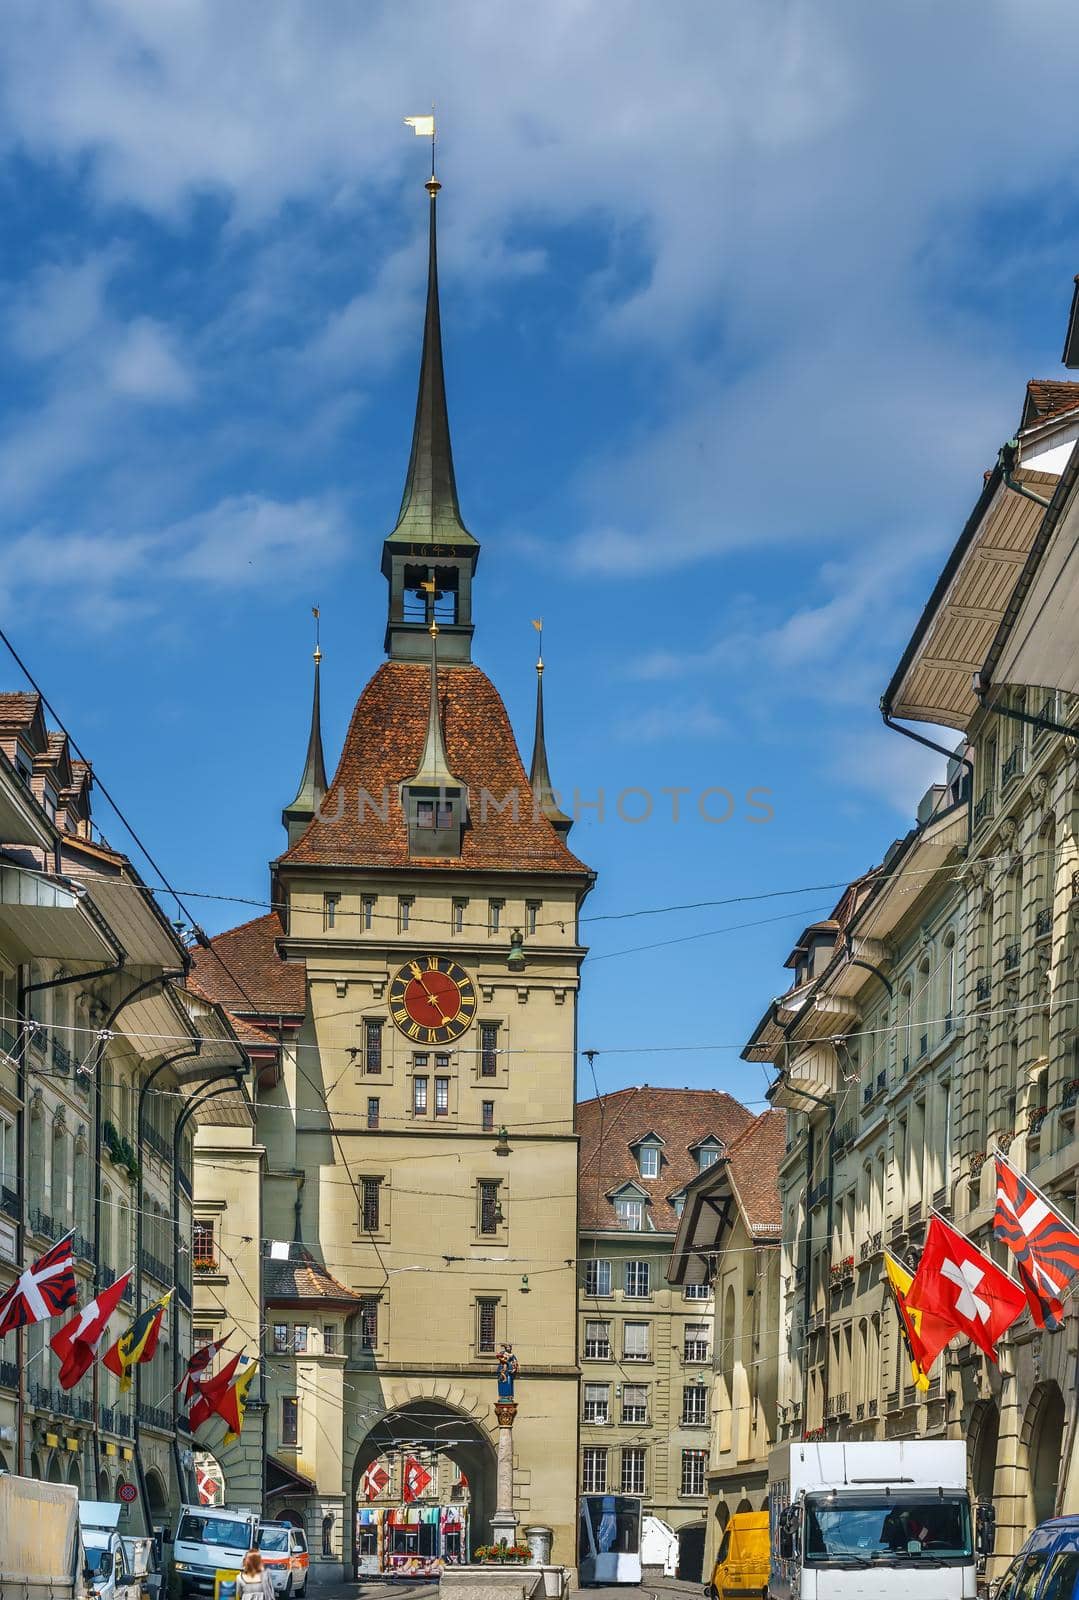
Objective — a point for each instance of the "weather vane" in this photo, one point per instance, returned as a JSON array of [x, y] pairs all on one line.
[[424, 128]]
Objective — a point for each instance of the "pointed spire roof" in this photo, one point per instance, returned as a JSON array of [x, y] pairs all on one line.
[[539, 776], [434, 768], [313, 785], [429, 508]]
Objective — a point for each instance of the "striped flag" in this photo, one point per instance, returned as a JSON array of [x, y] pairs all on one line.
[[44, 1290], [1044, 1244]]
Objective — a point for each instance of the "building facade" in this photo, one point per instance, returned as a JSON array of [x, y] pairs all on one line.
[[102, 1065], [646, 1335], [728, 1242], [931, 1020], [419, 982]]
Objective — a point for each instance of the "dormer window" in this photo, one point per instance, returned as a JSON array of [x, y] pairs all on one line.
[[630, 1212], [648, 1161], [434, 821], [708, 1151]]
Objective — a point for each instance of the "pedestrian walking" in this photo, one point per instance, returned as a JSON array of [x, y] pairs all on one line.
[[254, 1581]]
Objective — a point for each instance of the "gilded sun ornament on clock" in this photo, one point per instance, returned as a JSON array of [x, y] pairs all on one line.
[[432, 1000]]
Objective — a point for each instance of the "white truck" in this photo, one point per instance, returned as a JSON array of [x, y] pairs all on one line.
[[209, 1540], [874, 1520], [41, 1553]]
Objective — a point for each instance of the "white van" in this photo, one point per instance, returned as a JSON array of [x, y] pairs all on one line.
[[209, 1540], [106, 1558]]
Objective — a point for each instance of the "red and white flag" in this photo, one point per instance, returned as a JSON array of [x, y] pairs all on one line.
[[375, 1480], [414, 1480], [77, 1341], [45, 1289], [208, 1482], [196, 1366], [210, 1394], [956, 1282]]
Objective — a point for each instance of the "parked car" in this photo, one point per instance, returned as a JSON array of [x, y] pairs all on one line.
[[742, 1560], [285, 1557], [1047, 1567], [106, 1557]]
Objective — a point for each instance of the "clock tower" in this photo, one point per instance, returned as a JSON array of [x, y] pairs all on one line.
[[420, 973]]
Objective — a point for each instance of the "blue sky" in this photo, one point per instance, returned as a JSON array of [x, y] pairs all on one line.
[[738, 305]]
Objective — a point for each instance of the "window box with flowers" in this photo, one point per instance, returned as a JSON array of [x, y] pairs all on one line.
[[120, 1151], [1070, 1097], [1035, 1117]]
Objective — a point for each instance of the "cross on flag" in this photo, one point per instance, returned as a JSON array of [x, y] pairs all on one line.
[[959, 1284], [46, 1288], [414, 1479], [1045, 1246]]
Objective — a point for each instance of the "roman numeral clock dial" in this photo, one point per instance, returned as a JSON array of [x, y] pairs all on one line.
[[432, 1000]]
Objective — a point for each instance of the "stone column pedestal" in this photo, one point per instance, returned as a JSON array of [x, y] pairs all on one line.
[[504, 1521]]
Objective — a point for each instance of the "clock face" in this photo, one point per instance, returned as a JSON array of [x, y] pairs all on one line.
[[432, 1000]]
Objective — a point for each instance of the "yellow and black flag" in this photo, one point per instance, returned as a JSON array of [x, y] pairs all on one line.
[[923, 1334], [138, 1343]]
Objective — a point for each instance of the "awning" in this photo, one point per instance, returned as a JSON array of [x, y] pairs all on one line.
[[46, 917], [1037, 643], [282, 1479]]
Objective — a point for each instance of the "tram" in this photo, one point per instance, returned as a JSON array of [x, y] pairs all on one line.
[[609, 1544], [410, 1541]]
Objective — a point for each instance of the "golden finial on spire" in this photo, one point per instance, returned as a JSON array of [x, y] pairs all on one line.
[[318, 645]]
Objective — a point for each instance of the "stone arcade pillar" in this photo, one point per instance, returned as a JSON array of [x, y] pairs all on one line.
[[504, 1521]]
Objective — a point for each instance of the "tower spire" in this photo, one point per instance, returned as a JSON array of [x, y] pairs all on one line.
[[539, 776], [313, 785], [434, 769], [429, 507], [430, 541]]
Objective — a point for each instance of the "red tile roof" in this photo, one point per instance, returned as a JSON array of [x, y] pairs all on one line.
[[262, 981], [1048, 397], [383, 747], [300, 1279], [609, 1128], [18, 709], [754, 1168]]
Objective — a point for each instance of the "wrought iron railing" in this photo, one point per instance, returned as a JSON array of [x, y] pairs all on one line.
[[157, 1269], [158, 1143], [1009, 766], [1011, 956], [983, 988], [817, 1194], [982, 807], [41, 1223], [113, 1420], [1043, 922], [9, 1202], [83, 1247], [9, 1375], [156, 1417], [914, 1214]]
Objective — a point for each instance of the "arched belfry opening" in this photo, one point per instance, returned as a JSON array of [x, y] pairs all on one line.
[[395, 1531]]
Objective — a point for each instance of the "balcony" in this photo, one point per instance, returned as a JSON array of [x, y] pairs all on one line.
[[1009, 767], [923, 1046], [106, 1277], [1070, 1096], [9, 1375], [83, 1248], [158, 1143], [41, 1224], [882, 1080], [1011, 957], [891, 1402], [1043, 923], [9, 1202], [1035, 1117], [983, 808], [840, 1273], [156, 1417], [940, 1199], [838, 1405], [113, 1420], [904, 1065], [62, 1059], [845, 1135], [914, 1214], [870, 1247], [817, 1195], [816, 1322], [157, 1269], [983, 989], [872, 1408]]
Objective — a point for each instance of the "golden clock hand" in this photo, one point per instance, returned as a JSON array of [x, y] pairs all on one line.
[[418, 974]]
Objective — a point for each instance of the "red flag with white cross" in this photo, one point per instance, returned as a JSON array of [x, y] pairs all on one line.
[[414, 1479], [956, 1282]]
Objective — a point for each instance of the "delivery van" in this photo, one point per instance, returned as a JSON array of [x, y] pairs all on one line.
[[743, 1559], [209, 1540]]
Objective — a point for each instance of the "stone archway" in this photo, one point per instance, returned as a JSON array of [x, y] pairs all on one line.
[[984, 1436], [422, 1423], [1040, 1441], [157, 1502]]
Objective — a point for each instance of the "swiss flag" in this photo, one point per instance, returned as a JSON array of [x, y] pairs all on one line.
[[414, 1478], [374, 1480], [956, 1282], [77, 1341]]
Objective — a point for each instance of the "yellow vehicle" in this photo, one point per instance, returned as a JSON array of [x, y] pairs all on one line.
[[741, 1569]]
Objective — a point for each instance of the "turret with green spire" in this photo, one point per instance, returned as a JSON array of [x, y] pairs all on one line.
[[313, 785]]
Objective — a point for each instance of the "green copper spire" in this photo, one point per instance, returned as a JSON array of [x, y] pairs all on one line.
[[539, 776], [430, 513], [313, 785]]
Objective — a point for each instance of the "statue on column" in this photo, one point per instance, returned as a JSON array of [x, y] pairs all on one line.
[[508, 1368]]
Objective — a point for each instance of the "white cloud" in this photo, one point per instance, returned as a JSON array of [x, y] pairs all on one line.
[[104, 580], [661, 724], [146, 366]]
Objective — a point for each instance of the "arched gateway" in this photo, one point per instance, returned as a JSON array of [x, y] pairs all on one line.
[[389, 1530]]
